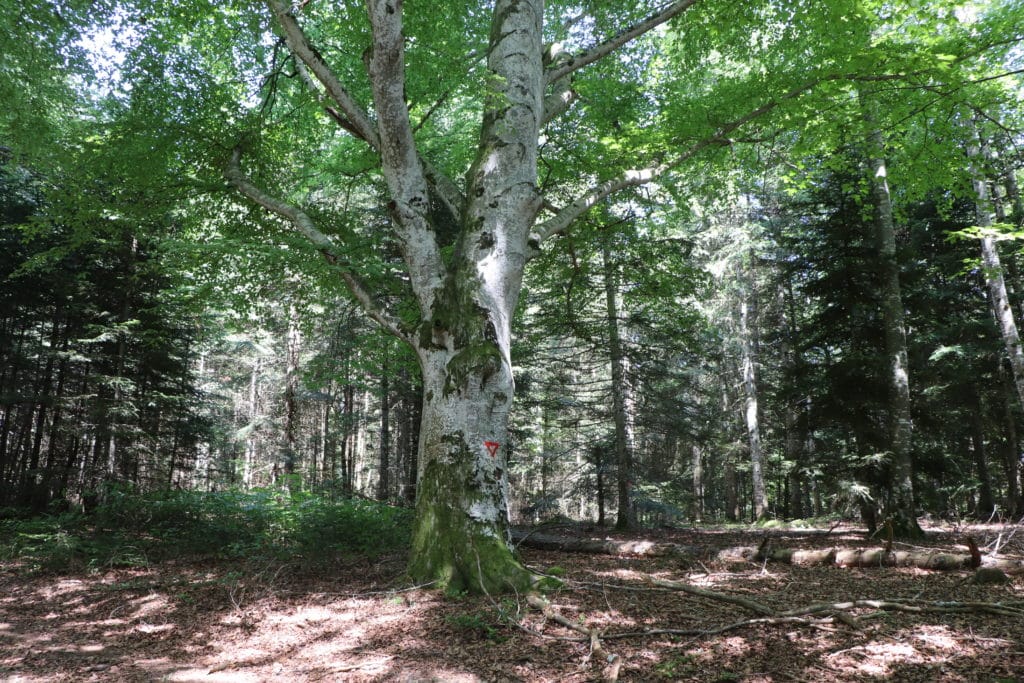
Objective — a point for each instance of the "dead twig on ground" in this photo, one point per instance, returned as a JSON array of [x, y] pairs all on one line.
[[611, 663]]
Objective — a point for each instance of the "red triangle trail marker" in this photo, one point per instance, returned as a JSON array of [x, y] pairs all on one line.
[[492, 447]]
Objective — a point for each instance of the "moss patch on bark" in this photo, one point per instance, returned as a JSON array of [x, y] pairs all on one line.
[[451, 548]]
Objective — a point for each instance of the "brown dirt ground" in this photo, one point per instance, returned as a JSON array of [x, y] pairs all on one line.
[[221, 622]]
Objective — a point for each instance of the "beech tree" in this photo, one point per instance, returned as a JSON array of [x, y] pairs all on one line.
[[465, 247]]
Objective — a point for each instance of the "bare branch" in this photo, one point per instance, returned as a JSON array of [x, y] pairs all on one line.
[[618, 40], [302, 223], [361, 124]]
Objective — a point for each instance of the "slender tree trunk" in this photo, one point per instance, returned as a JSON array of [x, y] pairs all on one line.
[[899, 499], [383, 478], [249, 462], [289, 448], [749, 360], [732, 499], [1011, 450], [796, 423], [619, 389], [994, 272], [697, 468], [986, 501]]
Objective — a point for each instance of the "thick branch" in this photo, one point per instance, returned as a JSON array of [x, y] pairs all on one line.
[[618, 40], [403, 169], [746, 603], [302, 223], [298, 43], [386, 66], [558, 101]]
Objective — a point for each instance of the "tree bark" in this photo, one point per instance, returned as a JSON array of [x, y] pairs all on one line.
[[749, 360], [1011, 450], [460, 536], [617, 356], [899, 487], [289, 449], [986, 502], [697, 468], [384, 467]]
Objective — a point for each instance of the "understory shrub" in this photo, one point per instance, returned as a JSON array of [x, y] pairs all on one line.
[[132, 529]]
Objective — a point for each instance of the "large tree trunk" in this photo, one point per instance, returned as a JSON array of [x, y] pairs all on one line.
[[465, 250], [899, 487], [460, 534]]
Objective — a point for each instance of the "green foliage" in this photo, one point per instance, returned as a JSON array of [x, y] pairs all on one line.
[[485, 623], [130, 529], [677, 667], [476, 626]]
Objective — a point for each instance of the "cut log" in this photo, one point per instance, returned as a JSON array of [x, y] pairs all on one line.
[[604, 546], [825, 557]]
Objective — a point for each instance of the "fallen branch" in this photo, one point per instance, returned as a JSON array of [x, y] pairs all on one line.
[[611, 663], [751, 605]]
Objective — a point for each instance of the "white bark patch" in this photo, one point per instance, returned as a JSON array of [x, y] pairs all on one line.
[[484, 511]]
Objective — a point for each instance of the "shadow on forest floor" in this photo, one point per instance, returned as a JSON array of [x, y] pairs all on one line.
[[231, 621]]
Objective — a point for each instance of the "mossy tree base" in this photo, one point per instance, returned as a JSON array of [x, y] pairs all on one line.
[[453, 550]]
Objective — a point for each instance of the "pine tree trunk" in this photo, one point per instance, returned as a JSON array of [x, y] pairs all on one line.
[[697, 467], [986, 502], [289, 447], [1011, 450]]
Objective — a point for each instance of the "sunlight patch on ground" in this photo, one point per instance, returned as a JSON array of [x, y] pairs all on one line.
[[92, 647], [926, 644], [936, 637], [874, 659], [149, 605], [335, 640], [622, 575]]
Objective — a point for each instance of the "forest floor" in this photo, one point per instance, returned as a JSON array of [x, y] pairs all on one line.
[[217, 621]]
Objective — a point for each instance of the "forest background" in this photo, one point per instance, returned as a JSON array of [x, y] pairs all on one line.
[[772, 270]]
